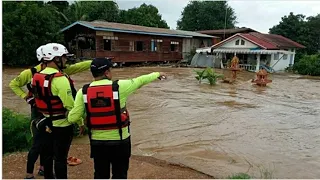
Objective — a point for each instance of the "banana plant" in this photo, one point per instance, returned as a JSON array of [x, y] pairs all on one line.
[[209, 75], [200, 75]]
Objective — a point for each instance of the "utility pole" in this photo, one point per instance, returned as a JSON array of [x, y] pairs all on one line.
[[225, 23]]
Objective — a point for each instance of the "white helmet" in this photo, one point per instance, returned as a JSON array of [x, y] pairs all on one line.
[[39, 53], [52, 50]]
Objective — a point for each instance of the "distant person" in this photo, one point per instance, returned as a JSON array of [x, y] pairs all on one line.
[[104, 103], [24, 79]]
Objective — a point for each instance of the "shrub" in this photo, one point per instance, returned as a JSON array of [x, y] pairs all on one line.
[[209, 75], [16, 133], [190, 55], [308, 65], [239, 176]]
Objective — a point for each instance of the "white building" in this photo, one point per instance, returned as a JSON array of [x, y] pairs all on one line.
[[254, 50]]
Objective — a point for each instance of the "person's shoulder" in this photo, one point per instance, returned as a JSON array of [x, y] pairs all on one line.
[[61, 78]]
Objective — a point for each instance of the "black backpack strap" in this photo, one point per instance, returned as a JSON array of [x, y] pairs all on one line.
[[85, 100], [116, 100], [33, 71], [37, 90], [29, 87], [73, 89]]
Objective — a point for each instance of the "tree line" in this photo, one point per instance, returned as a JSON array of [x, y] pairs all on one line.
[[306, 31], [29, 24]]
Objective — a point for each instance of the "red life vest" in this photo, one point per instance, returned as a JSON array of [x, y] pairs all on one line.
[[46, 102], [103, 108]]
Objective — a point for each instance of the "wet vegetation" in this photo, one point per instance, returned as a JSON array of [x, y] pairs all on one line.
[[16, 133], [308, 65], [209, 75], [239, 176]]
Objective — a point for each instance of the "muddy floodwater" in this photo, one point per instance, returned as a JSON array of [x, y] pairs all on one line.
[[271, 131]]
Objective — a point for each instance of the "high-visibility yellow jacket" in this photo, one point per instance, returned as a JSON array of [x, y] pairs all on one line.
[[126, 87]]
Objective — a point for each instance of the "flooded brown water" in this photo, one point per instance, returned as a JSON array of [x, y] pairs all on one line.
[[223, 129]]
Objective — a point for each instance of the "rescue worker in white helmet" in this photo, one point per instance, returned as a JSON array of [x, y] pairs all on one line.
[[53, 93], [24, 79], [104, 103]]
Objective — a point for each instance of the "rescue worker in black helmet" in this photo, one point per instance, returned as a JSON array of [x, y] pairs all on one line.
[[103, 102]]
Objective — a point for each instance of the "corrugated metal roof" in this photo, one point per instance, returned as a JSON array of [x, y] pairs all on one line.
[[250, 51], [227, 31], [278, 40], [266, 41], [258, 41], [242, 51], [194, 34], [135, 29]]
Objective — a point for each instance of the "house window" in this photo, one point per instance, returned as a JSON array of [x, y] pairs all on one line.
[[276, 57], [244, 59], [131, 45], [238, 42], [174, 46], [153, 45], [109, 42], [107, 45], [159, 46], [156, 44], [139, 46], [285, 56], [110, 37]]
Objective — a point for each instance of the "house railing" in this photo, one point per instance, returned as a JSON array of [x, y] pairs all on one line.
[[248, 67]]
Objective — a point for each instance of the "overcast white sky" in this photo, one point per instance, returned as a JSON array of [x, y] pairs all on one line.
[[259, 15]]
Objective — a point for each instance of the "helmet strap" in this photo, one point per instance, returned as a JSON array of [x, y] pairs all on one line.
[[43, 65], [59, 63]]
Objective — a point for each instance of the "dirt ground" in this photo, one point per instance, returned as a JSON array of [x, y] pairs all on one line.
[[14, 165]]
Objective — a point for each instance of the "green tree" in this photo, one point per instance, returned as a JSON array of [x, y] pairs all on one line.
[[61, 5], [93, 10], [206, 15], [302, 30], [145, 15], [313, 34], [292, 27], [26, 26]]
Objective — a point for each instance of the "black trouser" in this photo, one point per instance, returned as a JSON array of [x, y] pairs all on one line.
[[56, 147], [116, 153], [37, 140]]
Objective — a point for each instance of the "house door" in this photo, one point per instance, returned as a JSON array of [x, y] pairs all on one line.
[[291, 59]]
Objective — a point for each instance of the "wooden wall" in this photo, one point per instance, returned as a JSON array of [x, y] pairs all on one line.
[[124, 46]]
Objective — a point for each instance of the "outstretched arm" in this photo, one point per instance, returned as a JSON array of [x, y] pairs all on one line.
[[78, 67], [127, 87]]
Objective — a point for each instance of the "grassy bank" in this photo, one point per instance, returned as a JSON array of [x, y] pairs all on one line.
[[17, 133]]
